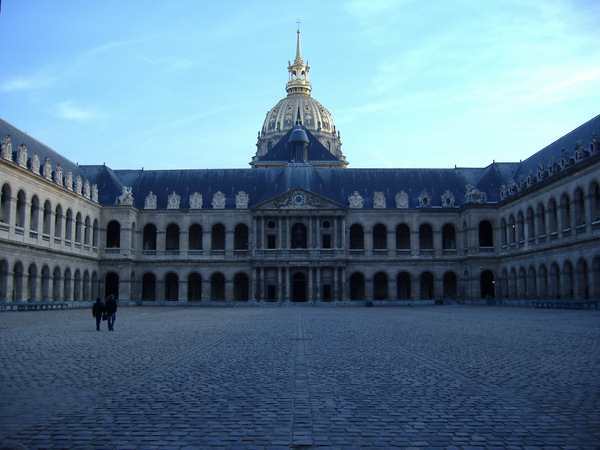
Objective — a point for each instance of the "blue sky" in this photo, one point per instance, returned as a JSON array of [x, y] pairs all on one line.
[[187, 83]]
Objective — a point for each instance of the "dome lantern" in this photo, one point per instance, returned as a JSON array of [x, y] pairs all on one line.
[[299, 82]]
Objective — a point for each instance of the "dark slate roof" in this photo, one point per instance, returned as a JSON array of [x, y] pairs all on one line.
[[264, 184], [19, 137], [580, 135], [316, 150]]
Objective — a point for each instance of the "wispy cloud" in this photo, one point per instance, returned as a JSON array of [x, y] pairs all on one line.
[[69, 111], [25, 83]]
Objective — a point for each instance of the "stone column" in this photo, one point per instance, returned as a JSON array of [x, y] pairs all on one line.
[[391, 242], [229, 235], [280, 288], [161, 242], [319, 290], [206, 241], [206, 289], [392, 287], [183, 290], [368, 241], [228, 289]]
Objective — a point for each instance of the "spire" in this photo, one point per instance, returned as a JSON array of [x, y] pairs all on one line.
[[299, 80], [298, 47]]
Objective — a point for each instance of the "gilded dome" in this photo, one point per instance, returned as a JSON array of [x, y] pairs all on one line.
[[298, 108]]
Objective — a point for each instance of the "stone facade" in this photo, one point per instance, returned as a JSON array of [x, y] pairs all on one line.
[[542, 242]]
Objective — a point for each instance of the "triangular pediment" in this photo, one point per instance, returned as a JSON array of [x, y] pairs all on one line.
[[298, 199]]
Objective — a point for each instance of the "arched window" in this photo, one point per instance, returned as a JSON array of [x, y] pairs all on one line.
[[531, 287], [450, 285], [402, 237], [379, 237], [89, 291], [512, 284], [380, 286], [77, 285], [487, 284], [21, 205], [111, 285], [194, 287], [34, 214], [240, 287], [217, 286], [3, 280], [148, 287], [69, 225], [32, 283], [113, 234], [299, 236], [357, 237], [543, 281], [172, 237], [88, 232], [171, 287], [5, 198], [18, 282], [78, 227], [149, 237], [427, 287], [195, 237], [403, 287], [47, 217], [45, 283], [448, 237], [56, 285], [554, 282], [58, 218], [357, 286], [95, 232], [68, 286], [486, 234]]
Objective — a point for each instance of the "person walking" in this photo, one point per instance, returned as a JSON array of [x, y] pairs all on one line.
[[110, 306], [97, 311]]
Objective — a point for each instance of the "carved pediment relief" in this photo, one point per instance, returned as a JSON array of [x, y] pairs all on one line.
[[298, 199]]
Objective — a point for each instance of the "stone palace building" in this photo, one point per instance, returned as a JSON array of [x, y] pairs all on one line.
[[299, 225]]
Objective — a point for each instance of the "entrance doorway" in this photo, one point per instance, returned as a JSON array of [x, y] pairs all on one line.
[[298, 287], [487, 284], [111, 285]]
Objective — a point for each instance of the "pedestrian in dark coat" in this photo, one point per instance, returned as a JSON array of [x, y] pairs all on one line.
[[97, 311], [110, 306]]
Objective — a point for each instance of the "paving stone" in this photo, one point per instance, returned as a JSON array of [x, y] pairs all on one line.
[[275, 377]]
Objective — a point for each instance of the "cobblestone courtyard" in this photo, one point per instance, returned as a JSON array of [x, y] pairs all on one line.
[[280, 377]]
